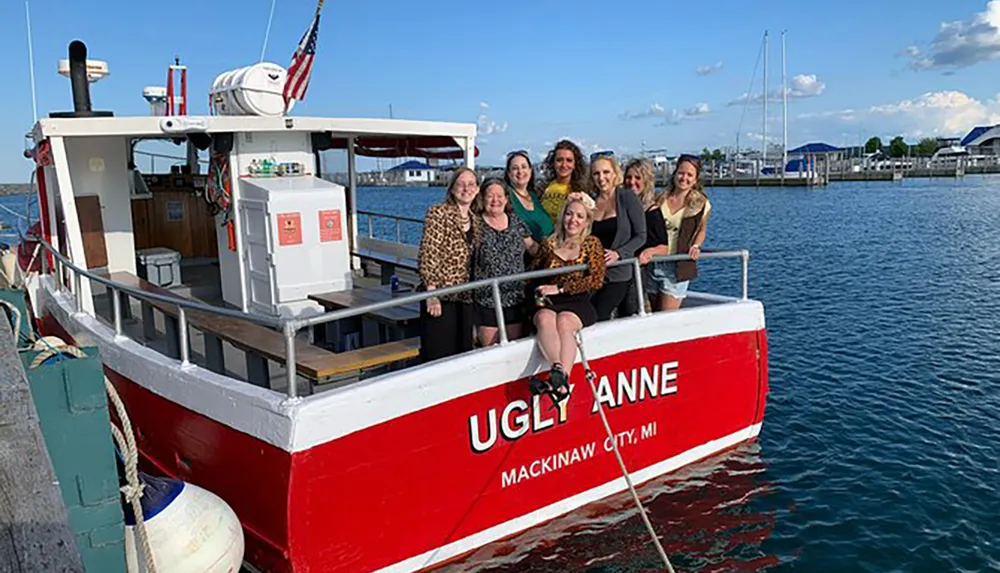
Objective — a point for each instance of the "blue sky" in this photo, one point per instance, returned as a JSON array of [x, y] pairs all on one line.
[[609, 75]]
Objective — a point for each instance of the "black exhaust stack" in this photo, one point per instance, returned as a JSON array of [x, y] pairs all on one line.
[[81, 86]]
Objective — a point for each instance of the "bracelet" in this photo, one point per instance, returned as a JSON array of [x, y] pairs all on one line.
[[696, 246]]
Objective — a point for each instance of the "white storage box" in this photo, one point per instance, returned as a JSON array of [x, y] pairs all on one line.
[[295, 242], [160, 266]]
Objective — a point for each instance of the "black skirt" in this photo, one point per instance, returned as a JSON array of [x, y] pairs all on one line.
[[578, 304], [487, 316]]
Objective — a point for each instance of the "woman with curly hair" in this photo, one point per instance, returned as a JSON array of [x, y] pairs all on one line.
[[565, 172], [679, 227], [563, 302]]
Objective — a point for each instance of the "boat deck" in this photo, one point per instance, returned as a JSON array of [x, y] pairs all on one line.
[[201, 282]]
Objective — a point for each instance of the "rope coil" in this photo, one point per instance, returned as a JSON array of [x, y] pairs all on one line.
[[124, 439]]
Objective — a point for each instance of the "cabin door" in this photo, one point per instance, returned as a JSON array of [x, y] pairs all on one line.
[[257, 257]]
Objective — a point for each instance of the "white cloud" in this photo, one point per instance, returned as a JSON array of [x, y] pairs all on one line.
[[962, 43], [943, 113], [940, 113], [706, 70], [654, 110], [800, 86], [486, 125], [672, 117]]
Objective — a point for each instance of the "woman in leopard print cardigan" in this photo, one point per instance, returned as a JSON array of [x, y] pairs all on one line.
[[450, 236]]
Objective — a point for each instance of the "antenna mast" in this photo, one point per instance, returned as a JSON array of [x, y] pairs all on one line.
[[31, 64], [784, 106], [763, 147]]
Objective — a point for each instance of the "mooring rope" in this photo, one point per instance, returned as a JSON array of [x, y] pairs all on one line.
[[124, 438], [621, 463]]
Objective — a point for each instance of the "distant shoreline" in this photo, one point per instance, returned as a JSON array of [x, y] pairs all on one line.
[[7, 189]]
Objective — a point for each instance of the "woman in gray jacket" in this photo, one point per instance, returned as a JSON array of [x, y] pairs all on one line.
[[620, 225]]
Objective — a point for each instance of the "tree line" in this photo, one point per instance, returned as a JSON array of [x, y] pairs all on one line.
[[899, 148]]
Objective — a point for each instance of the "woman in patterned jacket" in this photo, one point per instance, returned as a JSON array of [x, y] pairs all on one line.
[[563, 301], [450, 235]]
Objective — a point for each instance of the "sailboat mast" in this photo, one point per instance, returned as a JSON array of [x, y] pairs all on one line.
[[31, 63], [784, 104], [763, 145]]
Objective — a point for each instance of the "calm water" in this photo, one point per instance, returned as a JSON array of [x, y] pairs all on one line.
[[881, 443]]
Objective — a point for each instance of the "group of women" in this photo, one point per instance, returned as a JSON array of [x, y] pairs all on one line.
[[580, 215]]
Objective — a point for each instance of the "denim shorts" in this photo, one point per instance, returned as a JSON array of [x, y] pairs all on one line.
[[661, 278]]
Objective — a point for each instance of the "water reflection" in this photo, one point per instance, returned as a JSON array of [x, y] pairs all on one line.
[[711, 517]]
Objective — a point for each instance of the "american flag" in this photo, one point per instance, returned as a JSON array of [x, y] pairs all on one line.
[[302, 62]]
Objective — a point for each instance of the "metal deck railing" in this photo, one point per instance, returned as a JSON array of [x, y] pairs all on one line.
[[291, 327]]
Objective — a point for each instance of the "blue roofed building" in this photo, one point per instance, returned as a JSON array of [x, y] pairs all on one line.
[[983, 140], [411, 173]]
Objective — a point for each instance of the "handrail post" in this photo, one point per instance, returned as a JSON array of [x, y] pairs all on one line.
[[498, 308], [182, 335], [371, 227], [116, 310], [398, 240], [78, 287], [291, 366], [639, 291], [745, 258], [44, 252]]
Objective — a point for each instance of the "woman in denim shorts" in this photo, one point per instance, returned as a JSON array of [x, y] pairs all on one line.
[[676, 223]]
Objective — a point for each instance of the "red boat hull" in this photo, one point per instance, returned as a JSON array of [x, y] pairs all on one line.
[[425, 487]]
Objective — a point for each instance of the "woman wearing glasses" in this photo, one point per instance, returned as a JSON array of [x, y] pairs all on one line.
[[680, 228], [445, 259], [563, 301], [620, 225], [504, 240], [520, 178], [565, 172]]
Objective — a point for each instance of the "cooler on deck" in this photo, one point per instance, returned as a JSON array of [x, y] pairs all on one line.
[[160, 266]]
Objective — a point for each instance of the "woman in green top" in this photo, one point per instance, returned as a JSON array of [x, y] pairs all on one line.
[[520, 178]]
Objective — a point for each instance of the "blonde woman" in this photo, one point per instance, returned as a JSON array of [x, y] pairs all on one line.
[[563, 302], [620, 225], [450, 235], [640, 177], [679, 227]]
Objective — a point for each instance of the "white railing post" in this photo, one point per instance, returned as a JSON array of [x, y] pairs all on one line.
[[371, 227], [78, 291], [116, 310], [639, 291], [745, 258], [398, 239], [291, 368], [182, 335], [498, 308]]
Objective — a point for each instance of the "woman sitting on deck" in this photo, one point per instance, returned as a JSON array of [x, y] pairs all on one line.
[[564, 301], [677, 225], [445, 259], [504, 239]]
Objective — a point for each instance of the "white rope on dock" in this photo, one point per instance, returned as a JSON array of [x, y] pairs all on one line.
[[124, 438], [621, 463]]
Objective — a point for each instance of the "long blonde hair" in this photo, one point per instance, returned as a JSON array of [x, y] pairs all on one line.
[[558, 238], [644, 167]]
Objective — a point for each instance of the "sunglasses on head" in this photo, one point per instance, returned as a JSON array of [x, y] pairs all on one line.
[[600, 154], [688, 157], [517, 152]]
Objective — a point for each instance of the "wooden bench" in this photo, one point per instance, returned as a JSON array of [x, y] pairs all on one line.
[[259, 343], [388, 256]]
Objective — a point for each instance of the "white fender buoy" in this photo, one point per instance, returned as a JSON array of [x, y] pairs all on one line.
[[8, 265], [190, 530]]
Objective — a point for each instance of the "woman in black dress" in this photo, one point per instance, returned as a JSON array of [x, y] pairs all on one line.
[[563, 301]]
